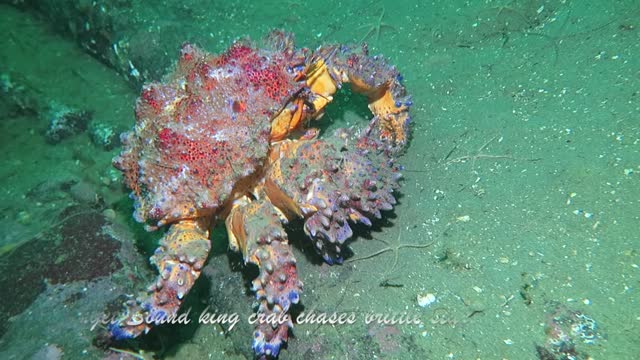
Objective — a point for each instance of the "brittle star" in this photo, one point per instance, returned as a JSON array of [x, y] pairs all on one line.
[[376, 27], [390, 247], [509, 19], [478, 155], [142, 355]]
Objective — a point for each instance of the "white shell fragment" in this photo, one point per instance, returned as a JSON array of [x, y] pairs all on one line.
[[427, 299]]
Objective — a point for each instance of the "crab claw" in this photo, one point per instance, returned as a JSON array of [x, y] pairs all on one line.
[[288, 120], [371, 76]]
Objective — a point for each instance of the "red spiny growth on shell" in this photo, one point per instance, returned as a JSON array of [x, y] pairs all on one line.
[[166, 138], [153, 100], [150, 97], [203, 159], [198, 67], [237, 52], [200, 76], [130, 175], [258, 70], [270, 78], [204, 128], [127, 162]]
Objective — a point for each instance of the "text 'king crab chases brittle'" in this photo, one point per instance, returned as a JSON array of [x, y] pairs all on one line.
[[226, 138]]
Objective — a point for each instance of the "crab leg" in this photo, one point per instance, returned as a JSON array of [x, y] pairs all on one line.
[[180, 257], [256, 231], [330, 188]]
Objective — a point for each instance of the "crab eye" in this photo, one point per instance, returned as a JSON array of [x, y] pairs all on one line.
[[297, 68]]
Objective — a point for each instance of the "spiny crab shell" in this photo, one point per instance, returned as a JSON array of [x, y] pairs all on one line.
[[226, 138]]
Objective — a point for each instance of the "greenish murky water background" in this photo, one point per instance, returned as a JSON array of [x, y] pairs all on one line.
[[523, 177]]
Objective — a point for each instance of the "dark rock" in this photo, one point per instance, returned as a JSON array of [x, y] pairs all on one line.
[[76, 249], [65, 122]]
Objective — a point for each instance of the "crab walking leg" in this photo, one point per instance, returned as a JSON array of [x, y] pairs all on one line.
[[180, 257], [255, 229], [369, 75]]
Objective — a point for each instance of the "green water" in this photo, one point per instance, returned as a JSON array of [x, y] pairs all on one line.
[[518, 209]]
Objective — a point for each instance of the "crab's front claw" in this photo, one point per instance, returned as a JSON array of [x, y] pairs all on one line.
[[390, 108], [321, 83], [182, 253], [371, 76], [288, 120]]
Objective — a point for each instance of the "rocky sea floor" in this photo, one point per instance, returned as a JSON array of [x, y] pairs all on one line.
[[516, 233]]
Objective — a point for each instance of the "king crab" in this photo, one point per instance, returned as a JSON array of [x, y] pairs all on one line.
[[227, 138]]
